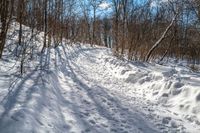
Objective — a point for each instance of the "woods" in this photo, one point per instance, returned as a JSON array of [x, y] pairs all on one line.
[[141, 30]]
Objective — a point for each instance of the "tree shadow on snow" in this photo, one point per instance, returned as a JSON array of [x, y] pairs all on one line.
[[29, 102], [36, 103], [118, 118]]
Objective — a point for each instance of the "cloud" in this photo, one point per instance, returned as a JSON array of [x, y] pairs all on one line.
[[104, 5]]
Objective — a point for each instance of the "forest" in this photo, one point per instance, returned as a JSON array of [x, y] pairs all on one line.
[[142, 30]]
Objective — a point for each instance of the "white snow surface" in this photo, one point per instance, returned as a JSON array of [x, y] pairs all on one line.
[[82, 89]]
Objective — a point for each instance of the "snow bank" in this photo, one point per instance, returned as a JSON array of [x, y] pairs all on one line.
[[175, 87]]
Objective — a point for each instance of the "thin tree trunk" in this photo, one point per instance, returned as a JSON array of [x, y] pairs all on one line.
[[45, 26], [4, 24], [161, 39]]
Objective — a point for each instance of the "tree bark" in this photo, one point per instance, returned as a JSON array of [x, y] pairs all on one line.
[[45, 26], [4, 24]]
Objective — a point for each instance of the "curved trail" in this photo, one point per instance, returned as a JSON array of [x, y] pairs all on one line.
[[79, 92], [96, 107]]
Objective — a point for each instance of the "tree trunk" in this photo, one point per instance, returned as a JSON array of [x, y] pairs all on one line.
[[4, 24], [45, 26], [161, 39]]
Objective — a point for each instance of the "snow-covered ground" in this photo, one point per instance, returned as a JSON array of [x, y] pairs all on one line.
[[82, 89]]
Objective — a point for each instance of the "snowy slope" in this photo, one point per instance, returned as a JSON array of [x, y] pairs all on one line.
[[82, 89]]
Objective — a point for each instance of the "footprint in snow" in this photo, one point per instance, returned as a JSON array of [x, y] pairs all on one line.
[[108, 103], [17, 116], [125, 109], [113, 130], [86, 131], [104, 125], [174, 124], [87, 102], [166, 120], [124, 121], [114, 110], [39, 122], [14, 118], [103, 100], [127, 126], [92, 122], [71, 121], [85, 113], [122, 114], [49, 125]]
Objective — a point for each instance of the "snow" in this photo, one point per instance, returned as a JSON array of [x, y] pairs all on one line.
[[82, 89]]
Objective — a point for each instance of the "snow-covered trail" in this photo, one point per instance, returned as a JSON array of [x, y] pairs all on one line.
[[79, 91], [69, 96], [98, 106]]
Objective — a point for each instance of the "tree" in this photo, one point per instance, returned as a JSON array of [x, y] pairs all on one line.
[[4, 14], [45, 6], [161, 38], [116, 6]]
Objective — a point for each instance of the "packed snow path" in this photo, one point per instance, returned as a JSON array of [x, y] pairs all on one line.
[[76, 90]]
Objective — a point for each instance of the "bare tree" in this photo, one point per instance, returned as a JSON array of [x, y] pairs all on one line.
[[4, 8], [45, 6], [161, 38]]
